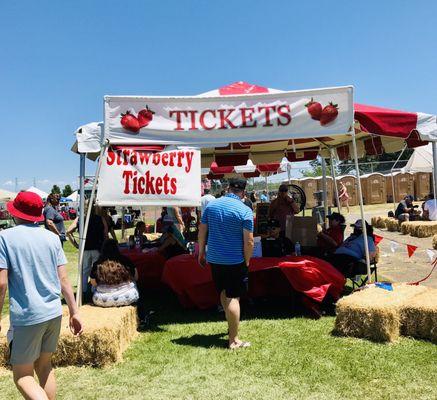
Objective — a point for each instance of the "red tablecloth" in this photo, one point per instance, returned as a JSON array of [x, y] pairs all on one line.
[[149, 266], [267, 276]]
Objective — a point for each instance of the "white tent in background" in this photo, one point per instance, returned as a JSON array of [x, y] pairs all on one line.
[[74, 196], [39, 192], [421, 160], [6, 195]]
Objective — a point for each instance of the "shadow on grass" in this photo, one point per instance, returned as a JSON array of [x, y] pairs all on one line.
[[205, 341], [167, 309]]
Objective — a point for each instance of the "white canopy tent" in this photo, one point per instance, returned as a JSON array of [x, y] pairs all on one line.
[[6, 195], [421, 160], [375, 129], [74, 196], [39, 192]]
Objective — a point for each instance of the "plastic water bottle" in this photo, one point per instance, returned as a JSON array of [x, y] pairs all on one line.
[[297, 249], [137, 242]]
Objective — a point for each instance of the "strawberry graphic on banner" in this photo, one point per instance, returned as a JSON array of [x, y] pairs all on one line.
[[411, 249], [314, 109]]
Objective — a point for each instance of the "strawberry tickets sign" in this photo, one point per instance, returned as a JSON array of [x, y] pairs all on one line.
[[226, 119], [141, 176]]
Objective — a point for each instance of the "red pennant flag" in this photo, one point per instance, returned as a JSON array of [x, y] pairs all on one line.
[[377, 239], [411, 249]]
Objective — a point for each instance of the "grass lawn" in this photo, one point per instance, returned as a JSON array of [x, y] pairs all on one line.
[[183, 357]]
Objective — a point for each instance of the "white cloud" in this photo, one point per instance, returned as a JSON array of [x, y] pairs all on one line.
[[8, 183], [43, 181]]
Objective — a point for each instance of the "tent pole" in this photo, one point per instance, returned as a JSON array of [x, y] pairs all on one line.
[[332, 158], [325, 193], [81, 224], [393, 179], [85, 227], [434, 169], [289, 173], [360, 196]]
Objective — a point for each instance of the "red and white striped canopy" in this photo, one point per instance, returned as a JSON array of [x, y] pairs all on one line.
[[377, 129]]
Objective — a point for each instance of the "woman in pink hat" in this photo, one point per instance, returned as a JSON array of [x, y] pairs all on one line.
[[32, 266]]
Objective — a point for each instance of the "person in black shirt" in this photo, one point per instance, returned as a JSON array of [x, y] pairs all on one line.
[[97, 231], [274, 244], [406, 210]]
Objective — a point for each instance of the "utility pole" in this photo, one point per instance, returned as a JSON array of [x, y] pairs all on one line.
[[16, 185]]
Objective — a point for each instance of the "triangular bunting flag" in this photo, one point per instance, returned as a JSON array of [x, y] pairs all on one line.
[[431, 254], [377, 239], [411, 249], [393, 246]]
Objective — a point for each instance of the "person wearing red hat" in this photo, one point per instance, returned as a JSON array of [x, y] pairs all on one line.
[[32, 266]]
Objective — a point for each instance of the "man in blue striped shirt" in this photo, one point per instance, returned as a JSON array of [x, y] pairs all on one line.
[[227, 223]]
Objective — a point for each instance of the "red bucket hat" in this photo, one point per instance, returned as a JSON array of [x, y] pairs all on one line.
[[27, 206]]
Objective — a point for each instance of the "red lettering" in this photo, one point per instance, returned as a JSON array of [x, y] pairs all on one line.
[[119, 157], [247, 116], [164, 159], [286, 114], [166, 180], [172, 157], [267, 110], [158, 185], [135, 181], [180, 157], [173, 185], [224, 118], [193, 119], [189, 157], [145, 157], [127, 175], [110, 158], [134, 158], [202, 119], [149, 183], [126, 154], [179, 114], [156, 158], [141, 184]]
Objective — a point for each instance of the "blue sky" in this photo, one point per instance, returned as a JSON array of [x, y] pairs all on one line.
[[59, 58]]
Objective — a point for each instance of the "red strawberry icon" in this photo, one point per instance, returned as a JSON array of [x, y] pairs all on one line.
[[145, 116], [314, 109], [329, 114], [130, 122]]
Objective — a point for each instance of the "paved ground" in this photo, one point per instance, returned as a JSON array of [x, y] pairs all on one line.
[[397, 267]]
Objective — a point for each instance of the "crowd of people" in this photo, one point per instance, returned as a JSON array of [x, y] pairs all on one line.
[[406, 210], [223, 225]]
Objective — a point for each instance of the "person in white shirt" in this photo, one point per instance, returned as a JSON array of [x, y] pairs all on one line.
[[430, 208], [205, 199]]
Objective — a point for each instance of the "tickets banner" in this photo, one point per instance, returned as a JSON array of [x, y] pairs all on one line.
[[209, 121], [140, 176]]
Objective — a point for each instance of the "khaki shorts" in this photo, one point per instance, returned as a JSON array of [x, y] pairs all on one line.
[[28, 342]]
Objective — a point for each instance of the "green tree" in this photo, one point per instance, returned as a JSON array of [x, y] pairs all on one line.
[[67, 191], [56, 189]]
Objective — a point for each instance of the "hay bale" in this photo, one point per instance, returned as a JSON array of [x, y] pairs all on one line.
[[378, 222], [420, 229], [434, 242], [374, 313], [107, 334], [392, 225], [419, 316]]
